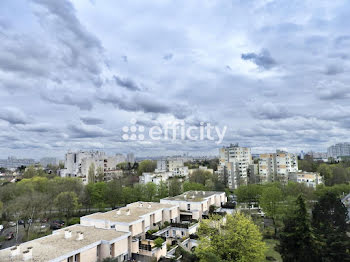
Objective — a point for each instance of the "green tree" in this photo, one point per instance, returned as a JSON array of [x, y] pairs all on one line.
[[162, 190], [30, 172], [329, 221], [91, 173], [158, 242], [190, 186], [146, 166], [248, 194], [297, 242], [98, 194], [326, 172], [175, 187], [67, 203], [270, 201], [100, 174], [114, 195], [200, 176], [239, 240], [128, 195], [150, 191]]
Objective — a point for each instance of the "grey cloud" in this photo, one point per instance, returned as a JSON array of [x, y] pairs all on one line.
[[87, 131], [332, 90], [127, 83], [334, 70], [263, 59], [39, 128], [13, 115], [68, 99], [168, 56], [91, 120], [270, 111]]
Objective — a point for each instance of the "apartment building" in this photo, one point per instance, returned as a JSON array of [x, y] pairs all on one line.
[[76, 243], [234, 163], [340, 149], [137, 218], [311, 179], [195, 204], [155, 178], [174, 165], [77, 164], [277, 166]]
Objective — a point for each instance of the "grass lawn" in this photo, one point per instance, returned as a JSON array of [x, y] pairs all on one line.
[[271, 252]]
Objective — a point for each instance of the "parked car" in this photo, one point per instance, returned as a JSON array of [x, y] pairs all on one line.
[[56, 224], [10, 236], [12, 224], [20, 222]]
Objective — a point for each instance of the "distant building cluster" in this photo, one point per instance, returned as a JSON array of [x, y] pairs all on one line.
[[338, 150], [166, 168], [78, 164], [236, 167], [13, 162]]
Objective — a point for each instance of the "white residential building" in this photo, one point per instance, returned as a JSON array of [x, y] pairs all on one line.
[[311, 179], [234, 164], [174, 165], [277, 166], [77, 164], [341, 149]]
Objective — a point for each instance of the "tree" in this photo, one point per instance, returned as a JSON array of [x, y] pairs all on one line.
[[326, 172], [239, 240], [91, 173], [248, 194], [146, 166], [114, 193], [100, 174], [174, 187], [270, 202], [200, 176], [67, 203], [297, 242], [150, 191], [329, 221], [29, 172], [158, 242], [190, 186], [162, 190]]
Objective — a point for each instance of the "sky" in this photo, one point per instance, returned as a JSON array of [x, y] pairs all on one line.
[[78, 74]]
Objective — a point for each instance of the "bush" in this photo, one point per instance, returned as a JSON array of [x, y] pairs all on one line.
[[158, 242], [73, 221]]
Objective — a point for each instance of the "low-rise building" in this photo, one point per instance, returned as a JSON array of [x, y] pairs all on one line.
[[195, 204], [311, 179], [75, 243]]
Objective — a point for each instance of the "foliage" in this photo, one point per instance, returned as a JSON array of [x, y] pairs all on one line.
[[201, 177], [91, 173], [146, 166], [67, 202], [329, 221], [175, 187], [150, 191], [236, 240], [190, 186], [158, 242], [248, 193], [297, 242]]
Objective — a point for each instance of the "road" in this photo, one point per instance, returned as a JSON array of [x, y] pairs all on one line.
[[12, 242]]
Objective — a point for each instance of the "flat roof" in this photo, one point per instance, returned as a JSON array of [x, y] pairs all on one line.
[[56, 246], [193, 196], [130, 213]]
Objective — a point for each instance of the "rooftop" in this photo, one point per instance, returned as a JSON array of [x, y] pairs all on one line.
[[131, 212], [193, 196], [57, 246]]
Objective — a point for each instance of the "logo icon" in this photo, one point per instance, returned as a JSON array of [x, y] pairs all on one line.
[[133, 132]]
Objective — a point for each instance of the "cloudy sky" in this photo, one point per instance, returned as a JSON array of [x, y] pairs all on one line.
[[73, 73]]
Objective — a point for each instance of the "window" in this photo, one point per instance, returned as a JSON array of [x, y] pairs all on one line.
[[188, 207], [174, 233]]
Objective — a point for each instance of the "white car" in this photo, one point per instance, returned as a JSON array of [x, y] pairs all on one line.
[[12, 224]]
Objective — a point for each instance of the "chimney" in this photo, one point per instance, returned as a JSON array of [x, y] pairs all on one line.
[[67, 234], [118, 212], [128, 212], [196, 192], [185, 196], [80, 235], [28, 254], [15, 251], [203, 192], [140, 204], [149, 205]]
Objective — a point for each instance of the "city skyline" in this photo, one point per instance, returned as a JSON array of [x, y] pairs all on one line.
[[74, 73]]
